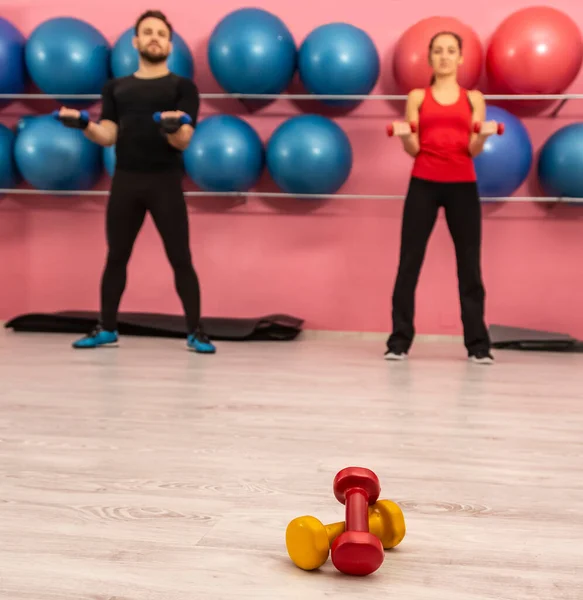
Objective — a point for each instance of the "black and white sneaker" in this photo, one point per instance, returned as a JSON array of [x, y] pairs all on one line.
[[482, 357], [393, 355]]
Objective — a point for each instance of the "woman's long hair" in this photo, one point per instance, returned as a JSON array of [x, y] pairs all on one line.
[[458, 39]]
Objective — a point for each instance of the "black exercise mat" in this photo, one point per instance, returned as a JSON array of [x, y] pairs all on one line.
[[276, 327], [516, 338]]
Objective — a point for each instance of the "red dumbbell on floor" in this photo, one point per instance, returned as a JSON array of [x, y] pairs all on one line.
[[357, 551]]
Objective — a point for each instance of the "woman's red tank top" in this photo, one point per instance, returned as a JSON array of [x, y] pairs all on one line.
[[444, 138]]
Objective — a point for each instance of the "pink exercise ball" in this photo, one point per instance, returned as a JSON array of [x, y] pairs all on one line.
[[411, 58], [536, 50]]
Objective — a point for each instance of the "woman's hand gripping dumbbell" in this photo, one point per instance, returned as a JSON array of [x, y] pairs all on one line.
[[401, 129], [488, 128]]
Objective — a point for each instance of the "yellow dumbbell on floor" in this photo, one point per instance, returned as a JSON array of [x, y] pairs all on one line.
[[308, 540]]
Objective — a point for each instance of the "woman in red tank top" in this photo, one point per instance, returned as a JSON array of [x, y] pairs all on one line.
[[443, 176]]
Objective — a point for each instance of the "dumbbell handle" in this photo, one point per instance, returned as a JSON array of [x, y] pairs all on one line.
[[356, 510], [83, 114], [184, 119], [333, 530], [375, 525], [478, 128]]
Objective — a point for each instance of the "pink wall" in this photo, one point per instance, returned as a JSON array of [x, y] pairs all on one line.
[[332, 263]]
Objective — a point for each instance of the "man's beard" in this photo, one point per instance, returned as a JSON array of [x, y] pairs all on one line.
[[154, 59]]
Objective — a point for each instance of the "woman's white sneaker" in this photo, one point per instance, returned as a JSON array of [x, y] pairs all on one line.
[[391, 355], [482, 358]]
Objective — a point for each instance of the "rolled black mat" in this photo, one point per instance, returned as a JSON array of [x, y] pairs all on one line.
[[276, 327]]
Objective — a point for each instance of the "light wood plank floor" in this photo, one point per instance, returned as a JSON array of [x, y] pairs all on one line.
[[150, 473]]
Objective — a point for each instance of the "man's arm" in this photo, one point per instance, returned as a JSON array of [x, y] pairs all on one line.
[[103, 133], [188, 104], [181, 138]]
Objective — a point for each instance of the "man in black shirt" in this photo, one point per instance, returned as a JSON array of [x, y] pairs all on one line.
[[150, 116]]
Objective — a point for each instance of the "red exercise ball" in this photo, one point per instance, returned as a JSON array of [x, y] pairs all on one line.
[[411, 58], [536, 50]]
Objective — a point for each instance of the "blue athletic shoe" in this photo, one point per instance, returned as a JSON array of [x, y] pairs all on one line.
[[98, 337], [199, 342]]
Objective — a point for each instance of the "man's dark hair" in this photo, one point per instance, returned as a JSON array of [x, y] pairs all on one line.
[[155, 14]]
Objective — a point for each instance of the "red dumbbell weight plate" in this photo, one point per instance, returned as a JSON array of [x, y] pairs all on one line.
[[357, 477], [357, 553]]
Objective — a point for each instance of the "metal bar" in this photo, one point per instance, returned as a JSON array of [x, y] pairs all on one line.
[[28, 192], [384, 96], [220, 96], [555, 112]]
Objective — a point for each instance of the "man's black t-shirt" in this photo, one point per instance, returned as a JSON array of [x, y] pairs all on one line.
[[131, 102]]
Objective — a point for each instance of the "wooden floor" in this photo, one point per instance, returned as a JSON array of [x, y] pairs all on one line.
[[150, 473]]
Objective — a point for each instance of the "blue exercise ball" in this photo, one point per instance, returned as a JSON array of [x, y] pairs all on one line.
[[251, 51], [23, 123], [49, 156], [67, 56], [9, 176], [339, 58], [12, 65], [505, 161], [560, 163], [309, 154], [109, 159], [124, 57], [224, 155]]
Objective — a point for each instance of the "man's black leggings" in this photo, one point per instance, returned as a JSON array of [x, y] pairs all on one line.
[[461, 202], [132, 195]]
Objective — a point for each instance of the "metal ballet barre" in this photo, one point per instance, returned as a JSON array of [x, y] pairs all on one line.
[[98, 193], [225, 96], [219, 96]]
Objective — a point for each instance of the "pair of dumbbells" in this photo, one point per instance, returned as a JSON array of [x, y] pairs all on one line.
[[357, 544], [476, 128]]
